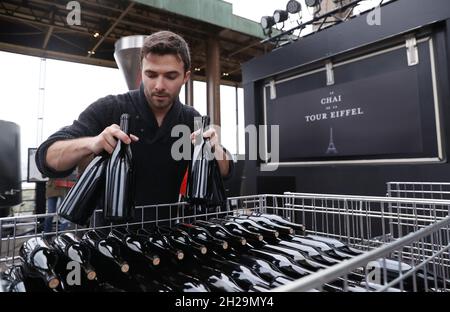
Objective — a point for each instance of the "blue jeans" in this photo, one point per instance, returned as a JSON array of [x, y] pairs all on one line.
[[52, 205]]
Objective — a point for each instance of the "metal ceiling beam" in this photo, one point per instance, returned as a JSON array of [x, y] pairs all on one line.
[[130, 6], [55, 55], [47, 37], [26, 19]]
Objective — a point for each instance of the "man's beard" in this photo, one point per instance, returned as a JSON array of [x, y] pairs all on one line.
[[164, 101]]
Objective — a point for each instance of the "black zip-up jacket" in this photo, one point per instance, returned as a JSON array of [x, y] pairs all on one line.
[[158, 175]]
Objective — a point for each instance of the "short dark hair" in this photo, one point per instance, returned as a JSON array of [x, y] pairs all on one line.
[[167, 42]]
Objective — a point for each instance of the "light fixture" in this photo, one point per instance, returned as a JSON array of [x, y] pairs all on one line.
[[280, 16], [267, 22], [226, 74], [96, 34], [293, 6], [197, 69], [91, 52], [312, 3]]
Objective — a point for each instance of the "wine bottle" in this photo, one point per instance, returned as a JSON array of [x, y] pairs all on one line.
[[280, 220], [203, 236], [199, 177], [251, 225], [83, 198], [264, 269], [239, 229], [119, 181], [421, 280], [182, 240], [148, 283], [108, 248], [109, 259], [71, 279], [336, 244], [40, 257], [296, 256], [326, 249], [161, 246], [268, 224], [137, 245], [221, 232], [283, 263], [71, 246], [14, 280], [242, 275], [308, 252], [215, 279], [181, 282]]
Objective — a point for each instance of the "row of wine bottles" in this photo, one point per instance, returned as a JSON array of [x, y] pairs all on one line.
[[256, 252]]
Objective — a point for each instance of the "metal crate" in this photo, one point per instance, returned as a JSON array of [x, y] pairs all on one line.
[[383, 227], [427, 190]]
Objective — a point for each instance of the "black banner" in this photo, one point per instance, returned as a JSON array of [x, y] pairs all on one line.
[[378, 115]]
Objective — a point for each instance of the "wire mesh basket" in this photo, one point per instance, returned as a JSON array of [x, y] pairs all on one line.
[[404, 241]]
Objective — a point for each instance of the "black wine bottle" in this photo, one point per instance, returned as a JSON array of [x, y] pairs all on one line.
[[265, 269], [108, 248], [41, 258], [268, 224], [71, 277], [13, 280], [215, 279], [420, 281], [251, 225], [282, 221], [71, 246], [321, 246], [87, 194], [299, 258], [239, 229], [308, 252], [137, 245], [283, 263], [200, 171], [160, 245], [183, 241], [221, 232], [203, 236], [181, 282], [336, 244], [119, 181], [242, 275]]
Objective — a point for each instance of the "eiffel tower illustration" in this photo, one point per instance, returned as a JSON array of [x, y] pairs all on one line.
[[331, 147]]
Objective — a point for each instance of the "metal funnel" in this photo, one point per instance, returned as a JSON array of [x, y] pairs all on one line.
[[127, 55]]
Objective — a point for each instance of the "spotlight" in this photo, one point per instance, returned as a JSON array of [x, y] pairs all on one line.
[[293, 7], [91, 52], [312, 3], [197, 69], [280, 16], [267, 22], [96, 34]]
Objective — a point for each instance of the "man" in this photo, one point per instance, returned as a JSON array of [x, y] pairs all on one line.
[[154, 110]]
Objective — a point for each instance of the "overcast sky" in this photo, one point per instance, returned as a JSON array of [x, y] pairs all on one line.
[[71, 87]]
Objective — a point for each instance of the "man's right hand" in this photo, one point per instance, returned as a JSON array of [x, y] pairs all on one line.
[[107, 140], [66, 154]]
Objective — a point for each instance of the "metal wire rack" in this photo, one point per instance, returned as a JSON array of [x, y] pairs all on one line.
[[428, 190], [403, 239]]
